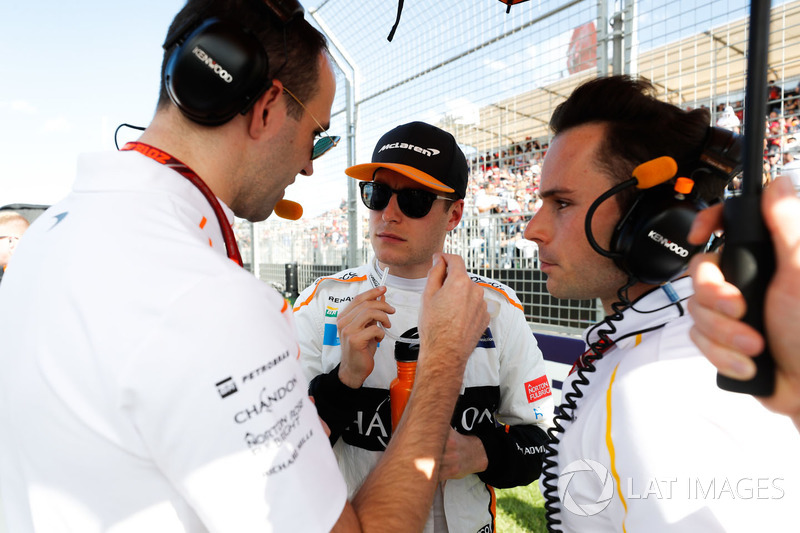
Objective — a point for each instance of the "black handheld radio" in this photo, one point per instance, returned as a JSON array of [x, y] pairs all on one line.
[[748, 258]]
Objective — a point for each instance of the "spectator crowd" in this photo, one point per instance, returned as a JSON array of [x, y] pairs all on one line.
[[503, 194]]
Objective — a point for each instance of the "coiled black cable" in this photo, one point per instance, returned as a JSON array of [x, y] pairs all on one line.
[[566, 410], [568, 405]]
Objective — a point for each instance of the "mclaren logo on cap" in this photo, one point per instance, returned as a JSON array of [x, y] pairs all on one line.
[[425, 151]]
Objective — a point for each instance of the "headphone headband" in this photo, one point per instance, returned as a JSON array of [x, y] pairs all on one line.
[[220, 68], [650, 240], [285, 10]]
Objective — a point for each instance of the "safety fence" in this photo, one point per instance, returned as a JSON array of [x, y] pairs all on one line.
[[492, 79]]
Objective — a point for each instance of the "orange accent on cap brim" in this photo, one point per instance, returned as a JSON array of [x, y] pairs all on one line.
[[365, 171]]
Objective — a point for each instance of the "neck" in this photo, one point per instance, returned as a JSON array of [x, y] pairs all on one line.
[[415, 271], [203, 149], [634, 292]]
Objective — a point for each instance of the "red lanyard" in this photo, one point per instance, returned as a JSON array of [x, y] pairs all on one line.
[[165, 159], [601, 347]]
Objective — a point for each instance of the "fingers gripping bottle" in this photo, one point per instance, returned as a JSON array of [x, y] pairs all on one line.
[[406, 350]]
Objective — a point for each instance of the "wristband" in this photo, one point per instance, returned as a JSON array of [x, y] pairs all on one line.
[[336, 402]]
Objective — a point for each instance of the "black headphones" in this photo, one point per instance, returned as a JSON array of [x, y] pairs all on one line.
[[220, 68], [650, 240]]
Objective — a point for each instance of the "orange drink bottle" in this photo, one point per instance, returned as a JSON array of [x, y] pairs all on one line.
[[405, 354]]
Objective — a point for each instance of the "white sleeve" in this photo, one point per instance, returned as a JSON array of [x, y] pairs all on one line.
[[525, 396], [219, 400], [309, 320]]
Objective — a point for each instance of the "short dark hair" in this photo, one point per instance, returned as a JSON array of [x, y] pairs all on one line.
[[639, 127], [301, 49]]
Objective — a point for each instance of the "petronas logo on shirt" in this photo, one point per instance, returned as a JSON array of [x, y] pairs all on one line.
[[226, 387]]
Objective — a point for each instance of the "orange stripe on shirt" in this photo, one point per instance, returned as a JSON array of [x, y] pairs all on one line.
[[203, 223], [501, 291], [311, 297], [610, 446]]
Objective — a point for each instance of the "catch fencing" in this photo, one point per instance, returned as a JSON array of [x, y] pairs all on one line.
[[492, 79]]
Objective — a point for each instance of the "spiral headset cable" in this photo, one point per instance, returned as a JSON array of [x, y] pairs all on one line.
[[569, 404], [585, 366]]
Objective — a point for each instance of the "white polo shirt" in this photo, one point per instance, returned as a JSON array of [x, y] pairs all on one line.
[[148, 383], [656, 446]]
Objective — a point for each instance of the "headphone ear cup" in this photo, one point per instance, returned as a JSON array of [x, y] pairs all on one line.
[[719, 161], [219, 70], [652, 236]]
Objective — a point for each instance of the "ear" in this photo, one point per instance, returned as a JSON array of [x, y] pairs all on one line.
[[455, 214], [268, 112]]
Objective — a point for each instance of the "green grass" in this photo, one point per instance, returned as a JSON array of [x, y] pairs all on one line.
[[520, 510]]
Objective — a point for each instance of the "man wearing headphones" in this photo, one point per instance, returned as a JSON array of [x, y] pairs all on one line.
[[644, 439], [349, 338], [147, 382]]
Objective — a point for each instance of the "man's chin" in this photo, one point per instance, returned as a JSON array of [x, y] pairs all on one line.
[[556, 290], [552, 287]]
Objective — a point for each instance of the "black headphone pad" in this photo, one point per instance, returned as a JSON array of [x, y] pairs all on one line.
[[651, 239], [220, 69]]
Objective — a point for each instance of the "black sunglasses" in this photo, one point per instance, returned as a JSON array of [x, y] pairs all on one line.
[[414, 203]]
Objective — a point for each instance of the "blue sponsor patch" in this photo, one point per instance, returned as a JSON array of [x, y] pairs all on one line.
[[330, 336], [487, 339]]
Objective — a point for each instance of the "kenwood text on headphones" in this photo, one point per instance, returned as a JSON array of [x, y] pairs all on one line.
[[219, 68], [650, 240]]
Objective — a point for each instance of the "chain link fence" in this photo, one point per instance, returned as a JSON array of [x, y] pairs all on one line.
[[492, 79]]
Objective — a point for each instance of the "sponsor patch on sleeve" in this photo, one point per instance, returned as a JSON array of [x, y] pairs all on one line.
[[330, 336], [537, 389]]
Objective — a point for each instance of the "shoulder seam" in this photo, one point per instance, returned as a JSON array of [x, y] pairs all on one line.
[[498, 289], [319, 282]]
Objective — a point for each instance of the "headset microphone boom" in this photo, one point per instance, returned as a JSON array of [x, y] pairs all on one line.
[[288, 209]]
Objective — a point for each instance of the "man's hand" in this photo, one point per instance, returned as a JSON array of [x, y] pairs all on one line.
[[360, 334], [463, 455], [453, 315], [452, 318], [717, 305]]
